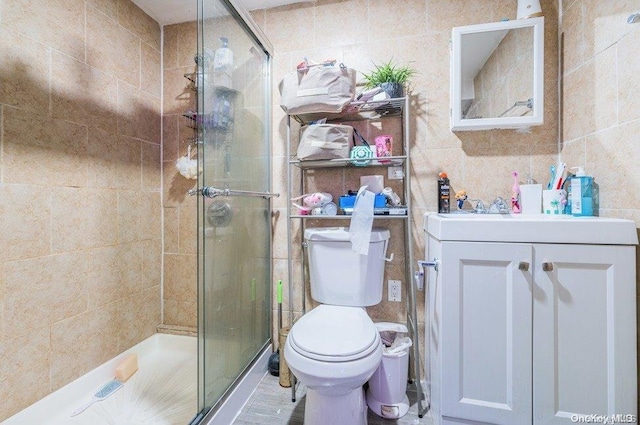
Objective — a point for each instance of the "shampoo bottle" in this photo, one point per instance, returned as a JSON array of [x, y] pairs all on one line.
[[444, 195], [581, 196]]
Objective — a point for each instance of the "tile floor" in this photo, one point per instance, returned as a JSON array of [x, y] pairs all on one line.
[[271, 404]]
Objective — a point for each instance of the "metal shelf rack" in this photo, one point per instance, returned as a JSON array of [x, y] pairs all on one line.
[[357, 111]]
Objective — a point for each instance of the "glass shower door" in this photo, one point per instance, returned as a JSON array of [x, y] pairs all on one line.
[[234, 275]]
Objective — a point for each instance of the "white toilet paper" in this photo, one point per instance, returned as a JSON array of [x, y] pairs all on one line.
[[362, 221]]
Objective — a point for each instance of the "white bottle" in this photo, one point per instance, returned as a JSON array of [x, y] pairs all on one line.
[[223, 59]]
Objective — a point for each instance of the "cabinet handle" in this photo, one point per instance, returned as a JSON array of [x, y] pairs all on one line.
[[547, 267], [524, 266]]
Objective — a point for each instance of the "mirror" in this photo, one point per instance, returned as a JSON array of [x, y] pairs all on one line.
[[497, 75]]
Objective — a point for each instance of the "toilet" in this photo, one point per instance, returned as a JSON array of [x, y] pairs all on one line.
[[335, 348]]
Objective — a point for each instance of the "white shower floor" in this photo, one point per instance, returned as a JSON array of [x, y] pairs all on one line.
[[162, 392]]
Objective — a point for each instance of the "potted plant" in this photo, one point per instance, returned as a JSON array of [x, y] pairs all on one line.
[[392, 78]]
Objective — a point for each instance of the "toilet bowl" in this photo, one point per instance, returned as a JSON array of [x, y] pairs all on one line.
[[335, 348]]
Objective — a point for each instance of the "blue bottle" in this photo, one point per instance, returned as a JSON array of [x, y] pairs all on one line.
[[582, 194]]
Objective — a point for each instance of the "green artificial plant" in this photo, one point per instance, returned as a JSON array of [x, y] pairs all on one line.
[[388, 72]]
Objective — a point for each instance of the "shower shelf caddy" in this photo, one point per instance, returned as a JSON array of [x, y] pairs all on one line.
[[372, 111]]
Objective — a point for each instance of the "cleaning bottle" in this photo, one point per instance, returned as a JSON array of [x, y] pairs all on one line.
[[223, 58], [444, 195], [582, 196]]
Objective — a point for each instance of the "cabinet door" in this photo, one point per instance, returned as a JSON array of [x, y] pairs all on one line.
[[486, 332], [584, 349]]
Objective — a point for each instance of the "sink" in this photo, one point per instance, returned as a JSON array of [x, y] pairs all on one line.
[[531, 228]]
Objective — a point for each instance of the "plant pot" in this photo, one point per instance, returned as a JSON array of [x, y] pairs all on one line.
[[394, 90]]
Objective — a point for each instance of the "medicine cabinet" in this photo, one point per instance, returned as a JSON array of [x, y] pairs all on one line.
[[497, 75]]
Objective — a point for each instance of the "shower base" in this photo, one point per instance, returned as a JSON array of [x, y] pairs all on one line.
[[162, 392]]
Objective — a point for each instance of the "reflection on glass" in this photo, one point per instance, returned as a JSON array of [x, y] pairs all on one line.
[[497, 74]]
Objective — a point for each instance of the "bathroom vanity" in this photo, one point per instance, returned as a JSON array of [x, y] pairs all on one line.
[[531, 319]]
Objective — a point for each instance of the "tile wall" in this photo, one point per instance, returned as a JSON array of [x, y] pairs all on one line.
[[359, 32], [180, 210], [80, 200]]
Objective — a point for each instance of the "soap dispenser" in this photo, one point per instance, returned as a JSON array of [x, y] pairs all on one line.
[[582, 193], [223, 58]]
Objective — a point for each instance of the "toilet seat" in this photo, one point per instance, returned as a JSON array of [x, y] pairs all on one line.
[[334, 334]]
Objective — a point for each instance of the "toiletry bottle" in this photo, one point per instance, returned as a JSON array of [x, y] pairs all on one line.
[[443, 193], [223, 58], [581, 193], [515, 194]]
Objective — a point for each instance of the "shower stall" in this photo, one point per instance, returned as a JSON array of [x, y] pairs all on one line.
[[233, 125]]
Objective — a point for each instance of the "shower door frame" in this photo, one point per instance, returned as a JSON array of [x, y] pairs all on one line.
[[207, 413]]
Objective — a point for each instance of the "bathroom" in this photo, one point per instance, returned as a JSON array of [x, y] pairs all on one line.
[[98, 238]]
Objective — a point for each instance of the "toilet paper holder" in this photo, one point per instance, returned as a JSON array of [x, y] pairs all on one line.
[[418, 276]]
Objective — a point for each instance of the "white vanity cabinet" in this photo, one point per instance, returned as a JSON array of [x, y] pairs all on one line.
[[531, 319]]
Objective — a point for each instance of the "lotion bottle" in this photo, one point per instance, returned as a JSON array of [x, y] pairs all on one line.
[[582, 193]]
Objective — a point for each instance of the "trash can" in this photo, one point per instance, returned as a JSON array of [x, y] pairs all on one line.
[[387, 392]]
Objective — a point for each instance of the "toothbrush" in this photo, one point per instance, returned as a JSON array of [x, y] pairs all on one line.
[[515, 194], [552, 169], [557, 181]]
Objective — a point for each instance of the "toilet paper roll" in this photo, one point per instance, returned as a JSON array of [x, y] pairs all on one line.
[[362, 221]]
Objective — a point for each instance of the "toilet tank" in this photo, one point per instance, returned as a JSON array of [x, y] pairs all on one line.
[[340, 276]]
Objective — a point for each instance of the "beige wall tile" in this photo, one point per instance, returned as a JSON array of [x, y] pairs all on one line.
[[188, 235], [171, 230], [181, 313], [605, 23], [57, 23], [26, 228], [57, 285], [131, 214], [83, 218], [150, 70], [589, 96], [81, 93], [139, 316], [178, 95], [151, 264], [628, 66], [384, 18], [151, 167], [36, 149], [444, 14], [613, 162], [333, 32], [24, 370], [170, 137], [115, 272], [139, 114], [83, 341], [121, 56], [115, 162], [24, 71], [180, 278], [151, 225], [170, 46], [574, 31], [108, 7], [187, 44], [139, 23], [299, 31]]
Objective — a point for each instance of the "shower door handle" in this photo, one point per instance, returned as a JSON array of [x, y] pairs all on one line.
[[212, 192]]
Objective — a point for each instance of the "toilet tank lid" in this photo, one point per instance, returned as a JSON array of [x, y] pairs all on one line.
[[341, 234]]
